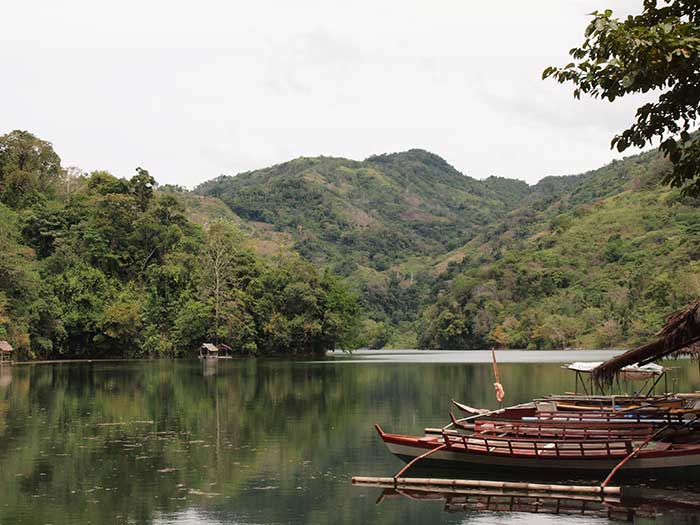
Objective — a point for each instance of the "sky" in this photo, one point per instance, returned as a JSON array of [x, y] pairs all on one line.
[[192, 90]]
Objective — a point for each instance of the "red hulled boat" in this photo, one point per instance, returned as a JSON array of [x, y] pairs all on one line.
[[484, 449]]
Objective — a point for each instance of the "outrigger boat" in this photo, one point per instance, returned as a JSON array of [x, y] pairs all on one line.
[[531, 448], [644, 435], [538, 437]]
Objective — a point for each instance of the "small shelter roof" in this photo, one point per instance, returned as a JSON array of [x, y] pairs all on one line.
[[633, 372], [210, 347], [5, 347]]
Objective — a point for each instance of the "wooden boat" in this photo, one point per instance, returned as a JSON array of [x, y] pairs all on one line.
[[536, 411], [671, 403], [537, 420], [526, 453]]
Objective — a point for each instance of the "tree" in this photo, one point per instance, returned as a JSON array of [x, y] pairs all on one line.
[[192, 325], [158, 229], [142, 187], [218, 256], [28, 168], [121, 321], [657, 50]]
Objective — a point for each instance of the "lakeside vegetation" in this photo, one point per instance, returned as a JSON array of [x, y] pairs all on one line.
[[93, 266], [400, 250]]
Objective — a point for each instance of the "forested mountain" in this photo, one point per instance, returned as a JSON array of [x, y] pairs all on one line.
[[374, 213], [380, 222], [397, 250], [92, 265], [600, 265], [595, 259]]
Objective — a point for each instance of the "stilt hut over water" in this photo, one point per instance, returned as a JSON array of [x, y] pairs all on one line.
[[211, 351], [5, 352], [208, 351]]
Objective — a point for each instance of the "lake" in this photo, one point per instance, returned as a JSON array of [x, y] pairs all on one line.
[[252, 441]]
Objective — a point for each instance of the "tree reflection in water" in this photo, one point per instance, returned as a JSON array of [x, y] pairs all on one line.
[[238, 441]]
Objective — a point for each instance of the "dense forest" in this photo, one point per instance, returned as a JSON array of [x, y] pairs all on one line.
[[600, 265], [92, 265], [590, 260], [379, 224], [399, 250]]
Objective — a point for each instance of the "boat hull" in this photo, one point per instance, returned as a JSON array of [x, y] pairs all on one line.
[[654, 462]]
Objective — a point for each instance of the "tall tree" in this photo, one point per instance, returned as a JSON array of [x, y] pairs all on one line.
[[656, 51], [142, 185], [218, 255], [28, 168]]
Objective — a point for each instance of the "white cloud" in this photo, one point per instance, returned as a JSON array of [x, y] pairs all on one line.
[[194, 89]]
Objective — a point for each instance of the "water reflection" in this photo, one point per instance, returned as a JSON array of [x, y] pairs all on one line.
[[242, 441], [209, 367], [5, 375], [633, 506]]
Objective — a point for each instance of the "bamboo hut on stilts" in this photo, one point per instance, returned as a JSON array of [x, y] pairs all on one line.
[[5, 352]]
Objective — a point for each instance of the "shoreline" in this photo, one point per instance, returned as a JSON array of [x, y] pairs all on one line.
[[363, 354]]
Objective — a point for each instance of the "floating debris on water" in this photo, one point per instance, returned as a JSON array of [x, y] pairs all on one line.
[[121, 423], [196, 492]]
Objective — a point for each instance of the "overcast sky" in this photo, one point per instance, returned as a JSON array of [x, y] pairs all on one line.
[[190, 90]]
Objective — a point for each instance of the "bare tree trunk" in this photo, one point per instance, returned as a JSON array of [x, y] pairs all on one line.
[[217, 294]]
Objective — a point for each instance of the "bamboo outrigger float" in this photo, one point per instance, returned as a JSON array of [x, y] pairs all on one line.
[[471, 485]]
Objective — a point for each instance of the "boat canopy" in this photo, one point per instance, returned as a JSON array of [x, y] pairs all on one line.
[[633, 372]]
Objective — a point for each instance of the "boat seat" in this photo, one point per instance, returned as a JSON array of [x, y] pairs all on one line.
[[546, 406], [656, 445]]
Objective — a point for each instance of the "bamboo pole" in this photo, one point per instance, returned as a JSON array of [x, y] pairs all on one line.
[[418, 458], [485, 484], [485, 414], [639, 448], [497, 378], [631, 455]]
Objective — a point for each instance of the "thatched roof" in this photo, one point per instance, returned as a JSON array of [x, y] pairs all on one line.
[[210, 347], [5, 347], [692, 350], [680, 336]]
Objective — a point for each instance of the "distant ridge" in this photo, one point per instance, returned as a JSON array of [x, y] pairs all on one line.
[[418, 240]]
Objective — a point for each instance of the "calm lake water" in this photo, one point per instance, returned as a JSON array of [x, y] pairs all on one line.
[[252, 441]]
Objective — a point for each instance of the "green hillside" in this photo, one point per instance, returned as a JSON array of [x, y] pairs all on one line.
[[598, 266], [379, 223], [595, 259], [374, 213]]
